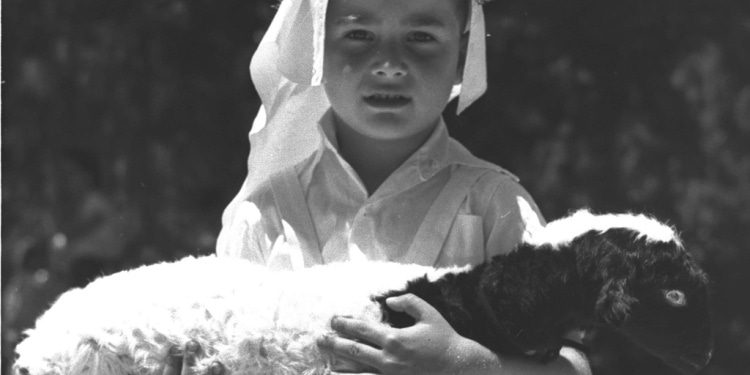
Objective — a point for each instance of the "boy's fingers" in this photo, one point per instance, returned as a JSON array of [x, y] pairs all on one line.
[[216, 369], [174, 362], [416, 307], [359, 329], [358, 352], [189, 358], [181, 362]]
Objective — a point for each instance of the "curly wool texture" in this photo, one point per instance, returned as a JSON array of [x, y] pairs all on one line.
[[241, 314]]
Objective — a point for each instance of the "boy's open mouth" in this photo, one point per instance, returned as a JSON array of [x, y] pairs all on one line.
[[387, 100]]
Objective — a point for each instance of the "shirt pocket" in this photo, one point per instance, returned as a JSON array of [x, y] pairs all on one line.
[[464, 244]]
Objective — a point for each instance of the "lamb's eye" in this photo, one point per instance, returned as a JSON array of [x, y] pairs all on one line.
[[675, 297]]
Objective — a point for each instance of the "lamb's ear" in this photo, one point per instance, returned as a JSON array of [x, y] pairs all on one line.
[[613, 304]]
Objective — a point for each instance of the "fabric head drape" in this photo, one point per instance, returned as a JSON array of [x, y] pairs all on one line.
[[287, 71]]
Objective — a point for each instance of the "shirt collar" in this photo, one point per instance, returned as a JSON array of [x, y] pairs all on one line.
[[441, 151], [438, 152], [328, 138], [429, 158]]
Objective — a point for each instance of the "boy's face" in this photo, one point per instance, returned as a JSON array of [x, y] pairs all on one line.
[[390, 64]]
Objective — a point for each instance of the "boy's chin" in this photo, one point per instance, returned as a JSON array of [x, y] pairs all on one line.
[[397, 129], [386, 125]]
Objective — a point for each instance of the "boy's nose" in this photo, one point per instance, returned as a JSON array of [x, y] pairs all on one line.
[[388, 65], [389, 70]]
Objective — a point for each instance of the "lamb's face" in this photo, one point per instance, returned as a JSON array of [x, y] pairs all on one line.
[[669, 315], [651, 289]]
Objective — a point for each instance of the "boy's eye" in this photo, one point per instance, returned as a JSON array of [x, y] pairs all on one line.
[[359, 35], [421, 37]]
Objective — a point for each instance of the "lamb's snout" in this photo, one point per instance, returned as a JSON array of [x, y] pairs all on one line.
[[671, 316], [691, 362]]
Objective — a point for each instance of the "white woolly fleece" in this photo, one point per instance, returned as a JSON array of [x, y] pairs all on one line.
[[231, 307]]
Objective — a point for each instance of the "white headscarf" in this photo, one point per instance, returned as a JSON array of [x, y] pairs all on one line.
[[287, 70]]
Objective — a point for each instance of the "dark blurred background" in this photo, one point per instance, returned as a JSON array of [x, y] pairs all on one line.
[[124, 135]]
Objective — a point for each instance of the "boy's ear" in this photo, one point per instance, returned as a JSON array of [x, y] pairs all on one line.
[[462, 48]]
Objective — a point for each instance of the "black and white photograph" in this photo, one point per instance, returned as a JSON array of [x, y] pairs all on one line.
[[393, 187]]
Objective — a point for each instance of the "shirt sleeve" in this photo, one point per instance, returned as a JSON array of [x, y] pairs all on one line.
[[504, 223], [252, 233], [240, 238]]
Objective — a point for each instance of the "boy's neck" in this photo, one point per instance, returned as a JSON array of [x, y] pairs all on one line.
[[374, 160]]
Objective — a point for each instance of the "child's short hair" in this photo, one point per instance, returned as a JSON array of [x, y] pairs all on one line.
[[463, 11]]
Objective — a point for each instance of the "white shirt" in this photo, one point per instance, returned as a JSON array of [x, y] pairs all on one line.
[[408, 219]]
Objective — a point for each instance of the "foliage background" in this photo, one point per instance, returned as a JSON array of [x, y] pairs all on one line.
[[124, 128]]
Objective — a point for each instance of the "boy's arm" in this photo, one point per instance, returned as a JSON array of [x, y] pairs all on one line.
[[431, 346], [483, 361], [181, 361]]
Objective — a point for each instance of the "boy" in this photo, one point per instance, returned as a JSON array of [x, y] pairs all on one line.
[[362, 166]]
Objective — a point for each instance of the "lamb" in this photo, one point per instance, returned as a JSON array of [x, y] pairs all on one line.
[[629, 272]]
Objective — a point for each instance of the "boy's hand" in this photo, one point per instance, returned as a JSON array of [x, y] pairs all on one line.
[[182, 364], [424, 348]]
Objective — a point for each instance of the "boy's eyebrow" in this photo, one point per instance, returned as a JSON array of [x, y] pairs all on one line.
[[422, 20], [418, 20], [360, 19]]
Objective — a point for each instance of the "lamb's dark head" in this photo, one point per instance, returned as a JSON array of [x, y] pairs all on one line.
[[660, 301], [646, 285]]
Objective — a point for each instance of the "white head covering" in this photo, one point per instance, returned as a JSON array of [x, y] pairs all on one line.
[[287, 70]]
